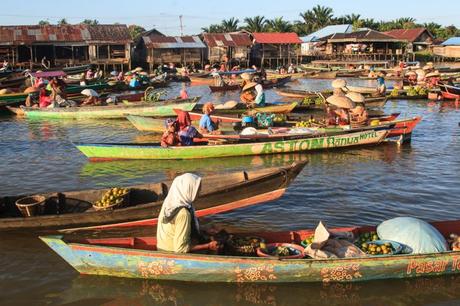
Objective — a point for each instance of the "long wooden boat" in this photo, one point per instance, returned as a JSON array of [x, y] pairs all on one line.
[[216, 119], [297, 94], [266, 85], [241, 108], [137, 257], [449, 89], [274, 75], [302, 143], [120, 111], [322, 75], [157, 125], [406, 97], [219, 193]]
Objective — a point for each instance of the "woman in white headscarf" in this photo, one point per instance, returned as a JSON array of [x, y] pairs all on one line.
[[177, 223]]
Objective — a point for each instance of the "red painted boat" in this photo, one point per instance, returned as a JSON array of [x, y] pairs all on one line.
[[137, 257], [404, 127]]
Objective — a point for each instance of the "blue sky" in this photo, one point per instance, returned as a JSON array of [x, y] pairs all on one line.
[[164, 14]]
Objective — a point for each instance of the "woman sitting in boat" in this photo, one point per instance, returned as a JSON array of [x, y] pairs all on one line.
[[178, 228], [185, 130], [206, 124], [248, 95], [337, 107], [170, 137], [44, 99], [358, 115], [260, 95]]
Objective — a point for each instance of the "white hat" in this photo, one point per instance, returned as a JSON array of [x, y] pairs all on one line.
[[89, 92], [355, 97]]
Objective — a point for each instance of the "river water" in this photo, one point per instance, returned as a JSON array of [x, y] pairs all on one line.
[[341, 188]]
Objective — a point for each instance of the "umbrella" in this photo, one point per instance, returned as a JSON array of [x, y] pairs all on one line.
[[355, 97], [340, 101], [89, 93]]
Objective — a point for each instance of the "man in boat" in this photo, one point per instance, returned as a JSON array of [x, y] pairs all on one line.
[[178, 228], [381, 86], [337, 108], [292, 69]]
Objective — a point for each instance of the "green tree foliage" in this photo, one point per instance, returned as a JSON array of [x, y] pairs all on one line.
[[63, 21], [43, 22], [135, 31], [320, 16], [255, 24], [278, 24], [90, 22]]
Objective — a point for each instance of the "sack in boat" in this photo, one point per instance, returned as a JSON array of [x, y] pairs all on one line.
[[324, 246]]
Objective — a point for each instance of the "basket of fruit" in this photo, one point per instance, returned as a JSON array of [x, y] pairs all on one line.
[[113, 198], [307, 241], [243, 246], [31, 206], [281, 250], [381, 247]]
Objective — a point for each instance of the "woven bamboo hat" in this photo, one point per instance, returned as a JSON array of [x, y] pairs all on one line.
[[356, 97], [411, 73], [249, 86], [247, 76], [341, 101], [339, 83], [432, 74]]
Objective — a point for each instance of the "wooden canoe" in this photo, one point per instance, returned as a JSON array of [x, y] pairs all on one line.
[[157, 125], [159, 109], [216, 119], [137, 257], [111, 151], [266, 85], [322, 75], [219, 193], [242, 108]]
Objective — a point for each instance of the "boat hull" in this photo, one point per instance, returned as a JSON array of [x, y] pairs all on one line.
[[160, 109], [146, 151], [219, 194], [136, 258]]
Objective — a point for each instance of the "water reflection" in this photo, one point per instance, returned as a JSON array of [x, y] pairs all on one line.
[[141, 292]]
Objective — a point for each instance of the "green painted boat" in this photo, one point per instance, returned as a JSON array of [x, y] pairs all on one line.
[[138, 257], [157, 125], [101, 151], [158, 109]]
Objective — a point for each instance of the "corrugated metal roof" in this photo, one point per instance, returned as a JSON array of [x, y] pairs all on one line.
[[227, 39], [169, 42], [453, 41], [410, 35], [362, 36], [15, 35], [326, 31], [276, 38]]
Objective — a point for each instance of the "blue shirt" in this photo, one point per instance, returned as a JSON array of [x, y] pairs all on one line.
[[134, 83], [206, 123], [380, 81]]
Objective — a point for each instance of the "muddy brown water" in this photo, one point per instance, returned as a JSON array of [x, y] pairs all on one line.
[[341, 187]]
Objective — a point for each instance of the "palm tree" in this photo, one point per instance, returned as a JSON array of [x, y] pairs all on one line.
[[213, 28], [300, 28], [370, 23], [317, 18], [323, 15], [255, 24], [432, 27], [230, 25], [351, 19], [43, 22], [279, 25]]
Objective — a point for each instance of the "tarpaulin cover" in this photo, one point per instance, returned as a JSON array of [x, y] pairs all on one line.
[[420, 236]]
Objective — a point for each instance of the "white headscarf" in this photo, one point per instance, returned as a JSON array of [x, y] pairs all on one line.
[[260, 90], [182, 193]]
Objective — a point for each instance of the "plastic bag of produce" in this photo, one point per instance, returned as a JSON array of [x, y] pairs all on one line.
[[418, 235]]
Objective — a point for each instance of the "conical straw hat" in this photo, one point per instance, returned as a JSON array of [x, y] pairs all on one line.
[[341, 101], [355, 97], [339, 83]]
